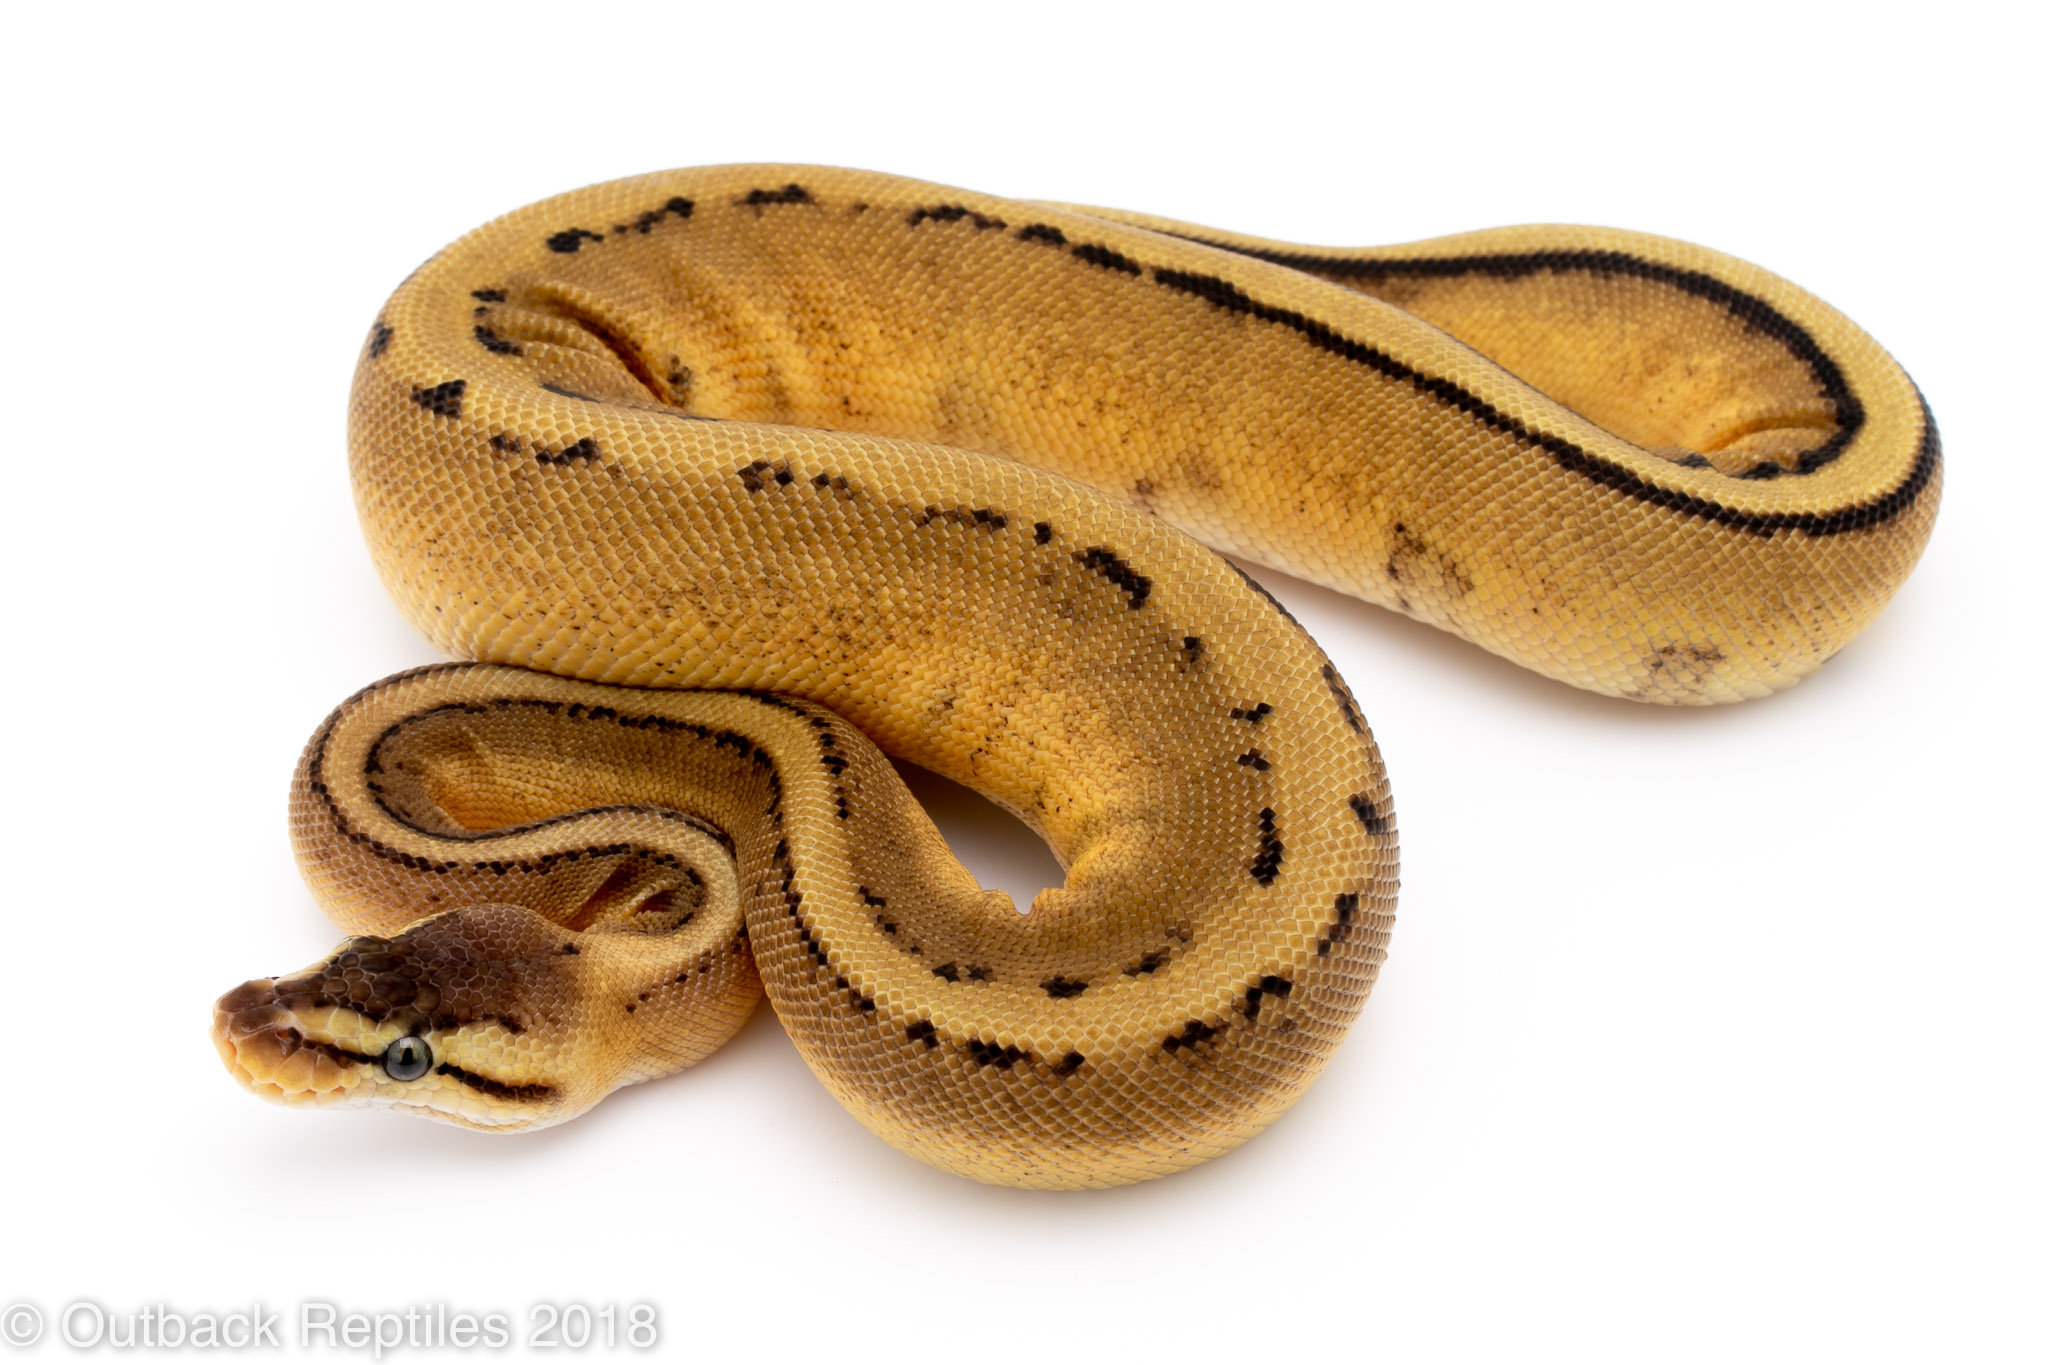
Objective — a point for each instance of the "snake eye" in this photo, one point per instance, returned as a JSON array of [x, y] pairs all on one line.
[[408, 1059]]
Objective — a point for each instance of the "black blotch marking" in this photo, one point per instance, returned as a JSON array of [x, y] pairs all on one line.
[[1369, 815], [949, 972], [570, 240], [1068, 1065], [758, 199], [870, 898], [380, 338], [964, 516], [494, 343], [1042, 232], [988, 1054], [443, 400], [1688, 665], [1105, 562], [1190, 650], [1041, 531], [569, 950], [1061, 988], [1343, 696], [803, 930], [1278, 987], [1413, 550], [923, 1032], [582, 451], [1251, 715], [1700, 657], [1146, 965], [511, 445], [953, 213], [644, 224], [1266, 866], [1254, 759], [1695, 462], [488, 295], [1107, 259], [981, 973], [552, 387], [760, 473], [1195, 1032], [1347, 911]]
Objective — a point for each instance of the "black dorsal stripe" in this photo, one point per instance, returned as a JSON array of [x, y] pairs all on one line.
[[1747, 307]]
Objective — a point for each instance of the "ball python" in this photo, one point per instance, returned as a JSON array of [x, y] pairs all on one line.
[[722, 482]]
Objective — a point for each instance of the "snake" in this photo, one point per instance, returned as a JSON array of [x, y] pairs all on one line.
[[721, 487]]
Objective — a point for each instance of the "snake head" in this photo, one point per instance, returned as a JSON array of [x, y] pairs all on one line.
[[467, 1017]]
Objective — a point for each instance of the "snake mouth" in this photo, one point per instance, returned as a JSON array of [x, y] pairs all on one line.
[[269, 1055]]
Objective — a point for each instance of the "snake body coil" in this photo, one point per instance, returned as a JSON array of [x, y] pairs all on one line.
[[746, 467]]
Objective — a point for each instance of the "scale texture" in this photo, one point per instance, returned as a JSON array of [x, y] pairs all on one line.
[[745, 471]]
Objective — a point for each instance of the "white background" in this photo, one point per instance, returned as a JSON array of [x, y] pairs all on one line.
[[1704, 1036]]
